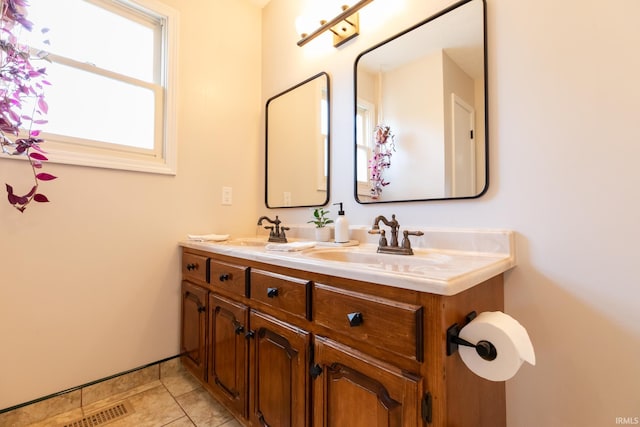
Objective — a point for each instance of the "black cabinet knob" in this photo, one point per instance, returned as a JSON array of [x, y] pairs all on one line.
[[224, 277], [355, 319], [191, 267], [239, 329], [272, 292], [315, 371]]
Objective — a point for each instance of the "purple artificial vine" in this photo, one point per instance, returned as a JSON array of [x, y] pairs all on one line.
[[20, 83], [382, 150]]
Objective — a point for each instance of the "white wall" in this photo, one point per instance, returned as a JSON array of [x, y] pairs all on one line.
[[564, 146], [90, 283], [417, 120]]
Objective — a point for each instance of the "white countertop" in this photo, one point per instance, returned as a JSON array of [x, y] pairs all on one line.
[[448, 261]]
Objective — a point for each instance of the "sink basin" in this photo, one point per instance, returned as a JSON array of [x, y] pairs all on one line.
[[416, 263]]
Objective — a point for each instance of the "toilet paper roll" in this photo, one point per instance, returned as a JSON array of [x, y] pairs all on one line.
[[508, 336]]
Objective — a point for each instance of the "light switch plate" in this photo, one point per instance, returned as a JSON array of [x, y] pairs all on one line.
[[227, 196]]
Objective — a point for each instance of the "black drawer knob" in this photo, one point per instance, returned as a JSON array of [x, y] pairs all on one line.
[[355, 319], [192, 267], [272, 292], [224, 277]]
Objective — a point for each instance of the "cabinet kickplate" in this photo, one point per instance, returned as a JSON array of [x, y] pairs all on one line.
[[104, 416]]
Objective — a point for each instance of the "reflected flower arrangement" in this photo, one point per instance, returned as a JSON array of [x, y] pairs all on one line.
[[384, 146]]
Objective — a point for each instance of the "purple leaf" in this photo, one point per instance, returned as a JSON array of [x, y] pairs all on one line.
[[33, 190], [41, 198], [37, 156], [13, 199], [36, 147], [42, 104], [43, 176]]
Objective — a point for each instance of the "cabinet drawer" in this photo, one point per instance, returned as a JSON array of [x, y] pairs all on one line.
[[283, 292], [194, 267], [231, 277], [376, 321]]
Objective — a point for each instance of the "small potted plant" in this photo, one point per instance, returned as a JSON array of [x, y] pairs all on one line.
[[323, 234]]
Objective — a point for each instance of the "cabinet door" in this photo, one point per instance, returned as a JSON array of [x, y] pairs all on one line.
[[194, 322], [278, 369], [354, 390], [228, 350]]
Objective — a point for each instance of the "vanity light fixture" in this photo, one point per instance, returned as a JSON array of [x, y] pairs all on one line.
[[344, 26]]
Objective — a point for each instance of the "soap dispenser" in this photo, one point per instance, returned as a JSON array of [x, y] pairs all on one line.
[[342, 226]]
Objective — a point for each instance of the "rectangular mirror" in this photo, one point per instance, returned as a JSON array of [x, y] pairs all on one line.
[[421, 122], [298, 144]]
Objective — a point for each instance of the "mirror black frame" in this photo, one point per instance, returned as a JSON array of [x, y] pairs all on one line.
[[328, 148], [486, 101]]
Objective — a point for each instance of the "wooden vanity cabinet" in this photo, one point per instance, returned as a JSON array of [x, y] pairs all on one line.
[[228, 352], [353, 389], [193, 336], [282, 347], [279, 373], [371, 320]]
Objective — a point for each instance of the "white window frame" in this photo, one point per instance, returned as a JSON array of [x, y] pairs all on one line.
[[322, 169], [163, 158], [364, 187]]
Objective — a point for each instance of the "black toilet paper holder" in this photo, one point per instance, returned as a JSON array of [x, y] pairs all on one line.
[[484, 348]]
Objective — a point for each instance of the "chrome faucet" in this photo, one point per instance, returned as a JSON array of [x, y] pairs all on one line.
[[392, 247], [276, 233]]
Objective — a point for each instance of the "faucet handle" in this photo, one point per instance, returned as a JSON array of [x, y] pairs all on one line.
[[383, 239], [406, 243]]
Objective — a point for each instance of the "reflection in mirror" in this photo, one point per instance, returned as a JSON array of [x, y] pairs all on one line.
[[420, 101], [297, 145]]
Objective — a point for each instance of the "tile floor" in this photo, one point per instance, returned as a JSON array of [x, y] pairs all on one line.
[[160, 395]]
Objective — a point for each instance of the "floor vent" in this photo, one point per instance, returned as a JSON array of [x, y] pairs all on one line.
[[103, 416]]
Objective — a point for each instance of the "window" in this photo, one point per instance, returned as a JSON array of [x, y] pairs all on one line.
[[324, 144], [112, 68], [364, 134]]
